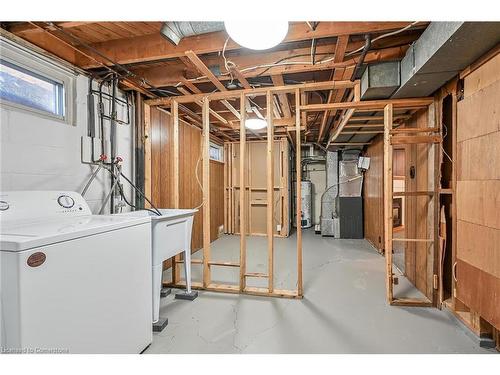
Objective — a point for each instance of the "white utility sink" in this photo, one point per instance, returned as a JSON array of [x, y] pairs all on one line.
[[171, 235]]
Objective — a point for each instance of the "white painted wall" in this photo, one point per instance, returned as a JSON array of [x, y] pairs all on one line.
[[39, 153]]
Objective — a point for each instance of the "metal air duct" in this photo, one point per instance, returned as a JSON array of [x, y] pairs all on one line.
[[174, 32]]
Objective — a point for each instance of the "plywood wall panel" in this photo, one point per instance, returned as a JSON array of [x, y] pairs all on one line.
[[487, 112], [479, 202], [471, 289], [483, 77], [479, 246], [479, 158], [478, 193], [373, 189]]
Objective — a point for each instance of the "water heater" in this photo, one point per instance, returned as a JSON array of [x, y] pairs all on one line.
[[306, 204]]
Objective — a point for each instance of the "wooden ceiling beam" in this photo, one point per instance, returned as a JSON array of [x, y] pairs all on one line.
[[336, 131], [377, 118], [203, 69], [172, 74], [193, 57], [282, 97], [28, 28], [216, 115], [340, 50], [153, 47], [191, 86], [311, 86], [375, 105], [241, 78]]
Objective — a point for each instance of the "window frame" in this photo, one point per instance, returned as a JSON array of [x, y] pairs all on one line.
[[43, 68], [221, 151]]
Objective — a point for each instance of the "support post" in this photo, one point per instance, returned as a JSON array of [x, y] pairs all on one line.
[[270, 190], [206, 192], [174, 118], [243, 239], [388, 200], [298, 193], [147, 154]]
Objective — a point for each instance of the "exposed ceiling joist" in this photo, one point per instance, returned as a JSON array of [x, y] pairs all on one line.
[[340, 50], [208, 73], [173, 73], [154, 47], [26, 27], [282, 97]]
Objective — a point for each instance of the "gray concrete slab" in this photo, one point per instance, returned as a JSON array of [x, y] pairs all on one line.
[[343, 311]]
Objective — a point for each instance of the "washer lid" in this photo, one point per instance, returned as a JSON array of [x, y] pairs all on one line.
[[29, 234]]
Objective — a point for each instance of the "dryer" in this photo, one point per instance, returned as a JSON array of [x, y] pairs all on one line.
[[72, 281]]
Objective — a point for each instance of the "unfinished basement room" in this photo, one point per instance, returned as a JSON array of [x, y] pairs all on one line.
[[242, 185]]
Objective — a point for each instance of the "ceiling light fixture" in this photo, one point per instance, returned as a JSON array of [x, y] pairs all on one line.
[[260, 35], [255, 123]]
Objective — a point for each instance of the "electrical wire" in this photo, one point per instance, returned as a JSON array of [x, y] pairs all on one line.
[[441, 144], [283, 62], [384, 36], [198, 179], [227, 63]]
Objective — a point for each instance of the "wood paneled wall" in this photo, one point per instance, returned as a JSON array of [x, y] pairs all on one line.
[[190, 194], [478, 192], [373, 190]]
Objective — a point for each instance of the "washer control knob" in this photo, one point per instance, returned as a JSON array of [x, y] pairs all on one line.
[[65, 201], [4, 206]]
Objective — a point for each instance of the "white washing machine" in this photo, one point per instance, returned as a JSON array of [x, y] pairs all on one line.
[[71, 281]]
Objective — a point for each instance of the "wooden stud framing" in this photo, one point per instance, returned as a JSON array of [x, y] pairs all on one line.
[[313, 86], [175, 132], [298, 193], [243, 239], [335, 132], [299, 92], [388, 193], [391, 138], [206, 192], [409, 103], [270, 190], [147, 156]]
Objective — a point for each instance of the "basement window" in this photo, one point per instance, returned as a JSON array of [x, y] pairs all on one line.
[[36, 84], [31, 90], [216, 152]]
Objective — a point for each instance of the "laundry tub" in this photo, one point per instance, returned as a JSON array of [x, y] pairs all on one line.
[[171, 235]]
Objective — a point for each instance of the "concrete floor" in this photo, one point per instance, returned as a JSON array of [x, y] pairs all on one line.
[[343, 311]]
